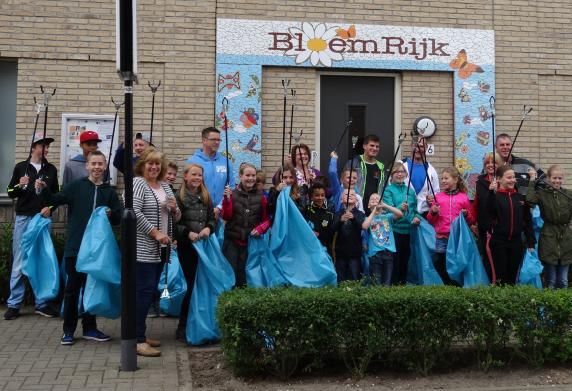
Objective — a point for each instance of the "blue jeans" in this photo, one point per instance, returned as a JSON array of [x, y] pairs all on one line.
[[146, 282], [348, 268], [17, 287], [381, 267], [556, 276]]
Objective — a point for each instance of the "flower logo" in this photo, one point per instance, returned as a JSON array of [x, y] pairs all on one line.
[[315, 42]]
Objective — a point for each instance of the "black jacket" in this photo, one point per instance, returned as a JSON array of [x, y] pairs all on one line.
[[195, 215], [323, 221], [510, 217], [480, 204], [29, 203], [273, 200], [348, 242]]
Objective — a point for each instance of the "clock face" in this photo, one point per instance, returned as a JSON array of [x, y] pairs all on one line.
[[425, 126]]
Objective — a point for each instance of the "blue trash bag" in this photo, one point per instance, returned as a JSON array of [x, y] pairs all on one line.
[[464, 263], [530, 270], [39, 260], [220, 231], [99, 254], [420, 267], [262, 269], [537, 223], [301, 256], [176, 285], [102, 298], [214, 276]]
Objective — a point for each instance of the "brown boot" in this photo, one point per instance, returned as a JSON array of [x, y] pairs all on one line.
[[143, 349], [154, 343]]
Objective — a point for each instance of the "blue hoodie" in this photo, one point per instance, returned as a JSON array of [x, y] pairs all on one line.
[[214, 174]]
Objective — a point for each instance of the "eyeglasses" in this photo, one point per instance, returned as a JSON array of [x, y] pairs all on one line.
[[216, 140]]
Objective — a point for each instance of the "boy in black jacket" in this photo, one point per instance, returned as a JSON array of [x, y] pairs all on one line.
[[82, 196], [323, 221], [348, 241], [29, 204]]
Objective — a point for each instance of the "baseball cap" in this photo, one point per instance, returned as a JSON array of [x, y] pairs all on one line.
[[89, 135], [38, 138]]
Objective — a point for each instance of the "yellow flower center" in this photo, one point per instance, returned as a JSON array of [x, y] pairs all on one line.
[[317, 44]]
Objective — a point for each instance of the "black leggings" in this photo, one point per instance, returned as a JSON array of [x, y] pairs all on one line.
[[401, 258], [507, 257], [189, 259]]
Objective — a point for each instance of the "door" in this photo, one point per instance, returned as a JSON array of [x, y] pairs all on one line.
[[369, 102]]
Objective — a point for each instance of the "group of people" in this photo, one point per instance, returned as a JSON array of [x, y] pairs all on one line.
[[354, 214]]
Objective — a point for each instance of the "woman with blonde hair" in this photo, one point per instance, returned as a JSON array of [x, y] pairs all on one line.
[[197, 222], [156, 210]]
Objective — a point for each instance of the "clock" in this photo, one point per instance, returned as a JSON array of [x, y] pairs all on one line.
[[424, 126]]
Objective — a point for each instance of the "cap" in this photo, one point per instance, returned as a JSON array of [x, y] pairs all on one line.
[[144, 136], [38, 138], [89, 135]]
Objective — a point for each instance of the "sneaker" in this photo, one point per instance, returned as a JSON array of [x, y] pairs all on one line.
[[47, 311], [143, 349], [67, 339], [95, 335], [11, 313], [153, 310]]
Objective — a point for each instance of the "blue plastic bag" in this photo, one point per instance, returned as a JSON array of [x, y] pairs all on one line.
[[214, 276], [99, 254], [262, 269], [464, 263], [301, 256], [220, 231], [102, 298], [420, 267], [530, 270], [176, 285], [39, 260], [537, 223]]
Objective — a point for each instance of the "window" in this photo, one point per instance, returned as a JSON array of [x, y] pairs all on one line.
[[8, 87]]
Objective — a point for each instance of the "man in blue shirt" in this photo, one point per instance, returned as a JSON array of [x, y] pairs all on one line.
[[214, 165]]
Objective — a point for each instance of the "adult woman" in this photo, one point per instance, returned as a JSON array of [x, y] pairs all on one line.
[[300, 159], [155, 208], [197, 222]]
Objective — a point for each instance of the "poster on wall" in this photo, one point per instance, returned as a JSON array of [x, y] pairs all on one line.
[[73, 125]]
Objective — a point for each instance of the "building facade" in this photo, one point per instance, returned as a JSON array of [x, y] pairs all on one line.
[[383, 63]]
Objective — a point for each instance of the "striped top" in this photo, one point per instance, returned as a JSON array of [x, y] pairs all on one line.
[[147, 211]]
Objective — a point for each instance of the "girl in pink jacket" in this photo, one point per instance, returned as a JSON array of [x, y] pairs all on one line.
[[448, 205]]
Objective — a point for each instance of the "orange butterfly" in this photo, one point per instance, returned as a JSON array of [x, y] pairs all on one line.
[[465, 68], [345, 34]]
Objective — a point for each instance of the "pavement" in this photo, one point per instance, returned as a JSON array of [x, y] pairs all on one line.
[[32, 358]]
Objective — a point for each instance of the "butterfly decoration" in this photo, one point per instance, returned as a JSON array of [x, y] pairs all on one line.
[[346, 34], [466, 69], [229, 81]]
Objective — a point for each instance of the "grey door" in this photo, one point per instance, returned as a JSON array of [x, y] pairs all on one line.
[[369, 102]]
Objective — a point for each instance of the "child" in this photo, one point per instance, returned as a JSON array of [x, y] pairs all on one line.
[[448, 205], [321, 218], [261, 182], [348, 242], [197, 222], [338, 188], [288, 175], [171, 174], [555, 244], [396, 195], [381, 244], [510, 218], [245, 211], [82, 196]]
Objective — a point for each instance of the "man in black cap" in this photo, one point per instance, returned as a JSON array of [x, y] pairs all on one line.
[[140, 144], [28, 204]]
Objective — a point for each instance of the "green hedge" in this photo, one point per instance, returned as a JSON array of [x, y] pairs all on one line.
[[285, 330]]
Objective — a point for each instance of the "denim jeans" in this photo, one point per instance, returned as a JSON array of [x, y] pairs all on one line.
[[556, 276], [381, 267], [17, 287], [348, 268], [146, 281]]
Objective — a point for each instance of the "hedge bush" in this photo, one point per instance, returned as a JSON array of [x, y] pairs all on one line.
[[285, 330]]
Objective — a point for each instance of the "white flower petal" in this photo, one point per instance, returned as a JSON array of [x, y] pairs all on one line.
[[295, 30], [335, 56], [315, 58], [325, 59], [320, 30], [303, 56], [330, 33], [308, 29]]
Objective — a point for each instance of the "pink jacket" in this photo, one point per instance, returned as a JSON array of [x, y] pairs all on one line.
[[450, 208]]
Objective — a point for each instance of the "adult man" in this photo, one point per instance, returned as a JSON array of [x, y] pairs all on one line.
[[419, 172], [523, 168], [27, 206], [214, 165], [76, 167], [140, 144], [369, 169]]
